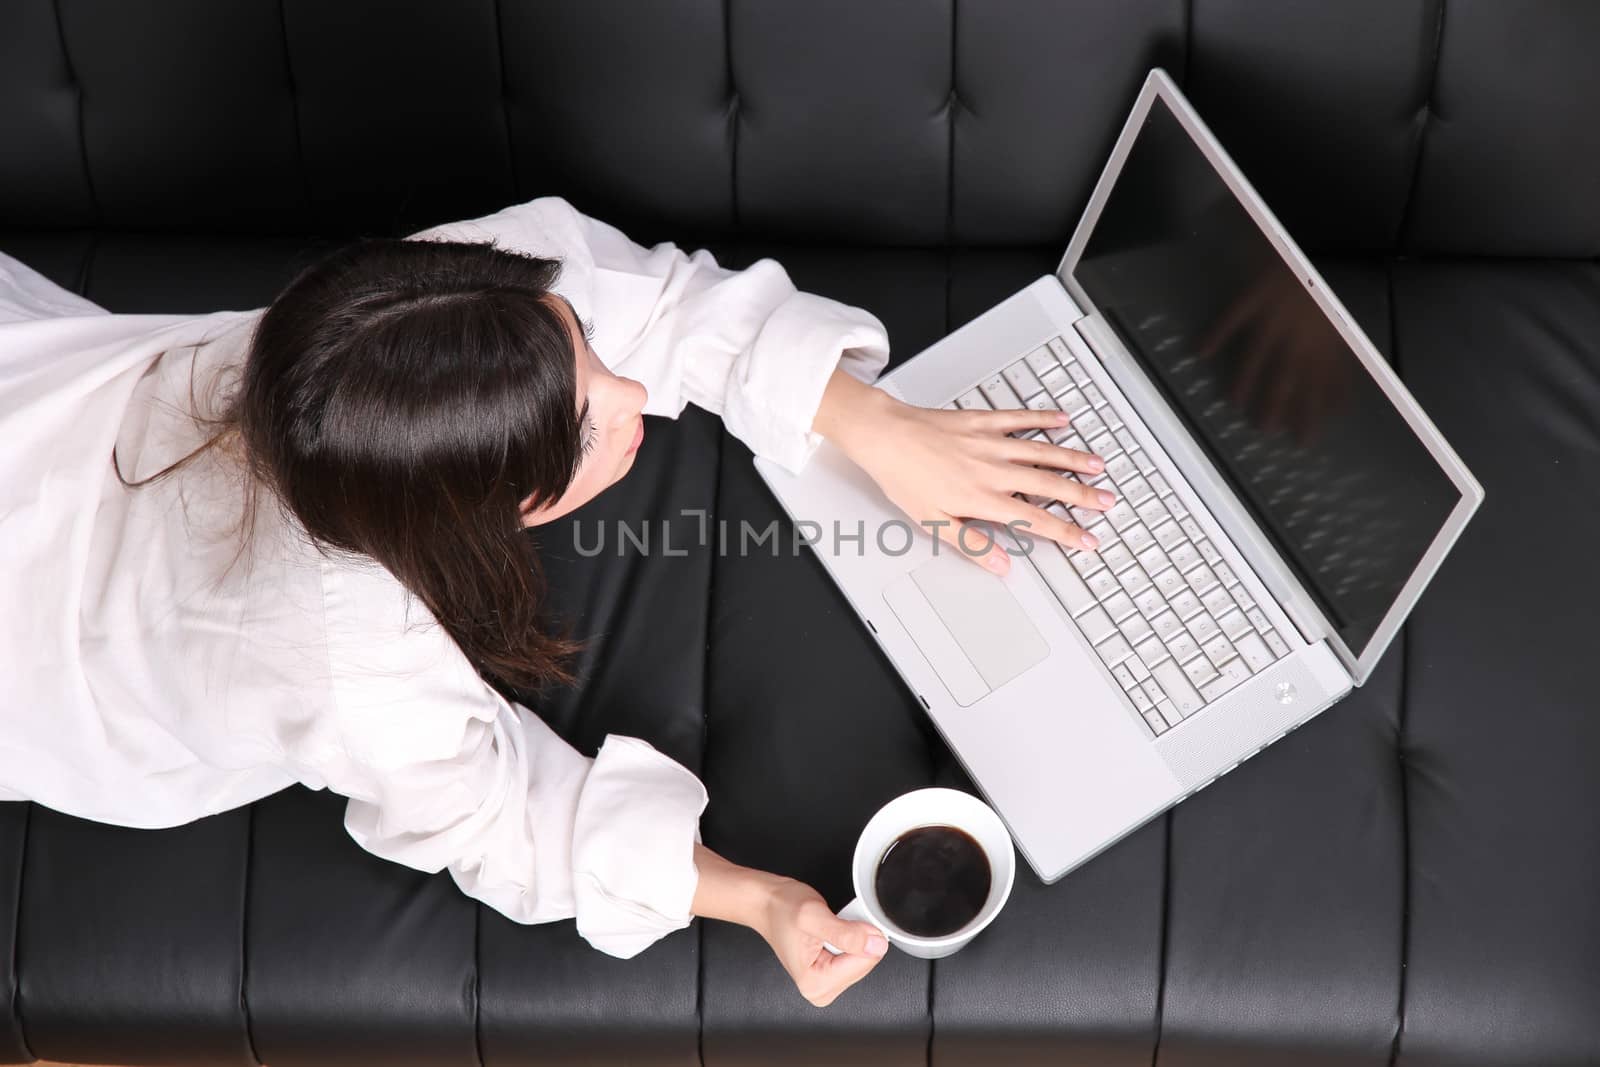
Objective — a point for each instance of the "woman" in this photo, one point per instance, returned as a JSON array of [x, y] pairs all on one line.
[[250, 549]]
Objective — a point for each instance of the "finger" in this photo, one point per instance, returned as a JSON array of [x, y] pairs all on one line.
[[1010, 420], [1066, 489], [1056, 457], [855, 938], [970, 541], [1041, 522]]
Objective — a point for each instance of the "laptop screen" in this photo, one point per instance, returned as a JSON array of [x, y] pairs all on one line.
[[1198, 294]]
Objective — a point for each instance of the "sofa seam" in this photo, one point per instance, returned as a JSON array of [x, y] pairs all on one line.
[[244, 932], [1400, 754], [16, 934], [1166, 921], [1429, 110], [720, 442], [294, 111], [505, 101], [83, 140], [735, 103]]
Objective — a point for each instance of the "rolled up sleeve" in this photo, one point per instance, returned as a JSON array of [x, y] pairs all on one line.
[[443, 773]]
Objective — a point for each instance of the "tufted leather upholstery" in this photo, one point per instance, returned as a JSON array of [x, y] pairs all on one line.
[[1411, 878]]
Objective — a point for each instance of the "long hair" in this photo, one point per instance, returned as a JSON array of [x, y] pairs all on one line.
[[400, 399]]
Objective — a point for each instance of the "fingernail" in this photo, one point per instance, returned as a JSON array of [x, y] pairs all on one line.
[[1091, 542], [1062, 418], [992, 562], [1097, 464], [877, 945], [1104, 497]]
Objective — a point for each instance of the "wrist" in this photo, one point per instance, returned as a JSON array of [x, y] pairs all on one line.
[[850, 410], [733, 893]]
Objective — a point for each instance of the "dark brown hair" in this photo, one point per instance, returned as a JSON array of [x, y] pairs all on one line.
[[400, 399]]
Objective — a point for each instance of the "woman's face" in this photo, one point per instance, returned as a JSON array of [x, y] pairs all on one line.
[[609, 418]]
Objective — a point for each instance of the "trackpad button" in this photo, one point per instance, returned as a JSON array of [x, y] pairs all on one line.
[[962, 604]]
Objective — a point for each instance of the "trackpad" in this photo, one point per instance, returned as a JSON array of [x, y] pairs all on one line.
[[964, 619]]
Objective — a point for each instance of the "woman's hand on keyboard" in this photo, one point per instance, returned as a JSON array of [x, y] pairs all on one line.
[[945, 468]]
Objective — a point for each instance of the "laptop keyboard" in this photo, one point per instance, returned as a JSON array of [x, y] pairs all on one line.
[[1165, 612]]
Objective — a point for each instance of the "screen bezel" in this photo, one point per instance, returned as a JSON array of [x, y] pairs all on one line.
[[1160, 86]]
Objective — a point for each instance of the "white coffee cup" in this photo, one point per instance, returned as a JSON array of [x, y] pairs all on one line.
[[911, 811]]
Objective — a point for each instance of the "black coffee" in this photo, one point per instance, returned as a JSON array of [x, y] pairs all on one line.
[[932, 881]]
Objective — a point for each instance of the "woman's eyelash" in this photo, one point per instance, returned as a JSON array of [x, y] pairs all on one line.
[[589, 436], [588, 331]]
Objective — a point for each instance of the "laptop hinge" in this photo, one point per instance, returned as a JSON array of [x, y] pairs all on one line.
[[1208, 483]]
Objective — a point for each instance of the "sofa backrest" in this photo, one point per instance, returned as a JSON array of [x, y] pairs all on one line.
[[1417, 126]]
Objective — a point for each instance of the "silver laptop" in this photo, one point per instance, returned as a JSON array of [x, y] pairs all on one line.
[[1282, 502]]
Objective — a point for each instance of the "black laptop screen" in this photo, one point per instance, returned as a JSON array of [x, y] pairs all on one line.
[[1202, 299]]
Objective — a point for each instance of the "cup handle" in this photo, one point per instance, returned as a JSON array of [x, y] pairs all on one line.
[[855, 911]]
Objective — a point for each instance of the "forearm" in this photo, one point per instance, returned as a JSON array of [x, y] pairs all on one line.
[[730, 892]]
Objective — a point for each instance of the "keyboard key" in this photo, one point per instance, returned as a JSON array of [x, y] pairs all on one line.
[[1176, 685], [1234, 624], [1209, 553], [1159, 484], [1086, 563], [1185, 556], [1201, 579], [1152, 512], [1191, 528], [1203, 628], [1063, 581], [1105, 446], [1141, 458], [1218, 602], [1121, 515], [1138, 538], [1114, 650], [1151, 652], [1183, 647], [972, 400], [1074, 368], [998, 393], [1186, 604], [1166, 625], [1060, 435], [1229, 675], [1055, 381], [1074, 403], [1168, 534], [1121, 467], [1119, 606], [1103, 530], [1117, 557], [1253, 650], [1096, 625], [1131, 443], [1134, 628], [1096, 397], [1169, 713], [1241, 596], [1042, 362], [1150, 603], [1141, 699], [1022, 379], [1199, 671], [1276, 643], [1169, 582], [1042, 402], [1152, 689], [1103, 584], [1134, 580], [1153, 719], [1088, 423], [1152, 559], [1217, 650], [1136, 489], [1223, 572], [1136, 665], [1258, 620]]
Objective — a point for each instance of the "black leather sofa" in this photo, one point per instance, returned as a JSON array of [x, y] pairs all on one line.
[[1414, 877]]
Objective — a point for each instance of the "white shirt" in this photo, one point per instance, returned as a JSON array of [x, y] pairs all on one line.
[[146, 682]]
